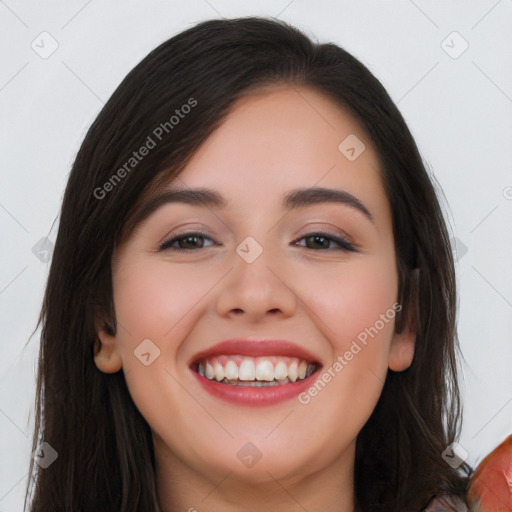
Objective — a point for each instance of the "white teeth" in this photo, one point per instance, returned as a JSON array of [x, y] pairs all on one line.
[[231, 370], [292, 371], [303, 368], [255, 371], [265, 371], [209, 373], [219, 372], [281, 371], [247, 370]]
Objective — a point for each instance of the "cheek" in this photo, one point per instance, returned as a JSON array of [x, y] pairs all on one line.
[[153, 299], [350, 301], [355, 305], [159, 303]]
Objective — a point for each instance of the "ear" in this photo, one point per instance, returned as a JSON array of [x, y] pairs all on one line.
[[106, 354], [401, 351]]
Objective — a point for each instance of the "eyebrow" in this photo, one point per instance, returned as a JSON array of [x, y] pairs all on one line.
[[294, 199]]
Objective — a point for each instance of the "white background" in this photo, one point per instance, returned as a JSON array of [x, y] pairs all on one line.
[[458, 109]]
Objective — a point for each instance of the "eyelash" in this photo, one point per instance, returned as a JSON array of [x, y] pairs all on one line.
[[344, 244]]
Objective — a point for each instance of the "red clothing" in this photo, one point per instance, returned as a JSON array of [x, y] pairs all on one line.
[[490, 487]]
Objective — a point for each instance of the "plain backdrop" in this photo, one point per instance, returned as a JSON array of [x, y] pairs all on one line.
[[446, 64]]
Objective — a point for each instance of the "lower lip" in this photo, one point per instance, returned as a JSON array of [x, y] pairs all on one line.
[[253, 395]]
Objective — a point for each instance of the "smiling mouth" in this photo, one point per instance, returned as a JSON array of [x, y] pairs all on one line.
[[267, 371]]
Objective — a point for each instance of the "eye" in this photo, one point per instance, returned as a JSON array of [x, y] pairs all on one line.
[[195, 240], [186, 241], [324, 241]]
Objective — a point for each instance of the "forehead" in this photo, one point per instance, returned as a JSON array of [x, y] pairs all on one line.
[[282, 136], [285, 121]]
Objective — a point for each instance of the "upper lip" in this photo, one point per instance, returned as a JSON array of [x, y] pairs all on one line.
[[256, 348]]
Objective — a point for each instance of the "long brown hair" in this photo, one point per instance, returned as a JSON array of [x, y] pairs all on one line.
[[105, 453]]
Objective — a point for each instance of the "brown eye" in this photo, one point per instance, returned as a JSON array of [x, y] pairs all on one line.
[[185, 242], [324, 241]]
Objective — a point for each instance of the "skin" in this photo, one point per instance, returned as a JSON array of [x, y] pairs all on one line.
[[273, 141]]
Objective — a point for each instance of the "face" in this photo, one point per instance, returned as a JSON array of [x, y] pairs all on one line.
[[290, 305]]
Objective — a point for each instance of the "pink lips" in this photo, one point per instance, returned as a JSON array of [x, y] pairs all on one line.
[[246, 395], [254, 348]]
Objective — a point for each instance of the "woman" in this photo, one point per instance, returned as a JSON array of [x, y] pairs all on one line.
[[252, 297]]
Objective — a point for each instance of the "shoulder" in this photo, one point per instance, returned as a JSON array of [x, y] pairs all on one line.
[[446, 503]]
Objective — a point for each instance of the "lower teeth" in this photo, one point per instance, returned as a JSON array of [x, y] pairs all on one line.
[[255, 383]]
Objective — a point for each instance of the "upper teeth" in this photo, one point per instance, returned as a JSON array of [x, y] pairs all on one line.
[[276, 369]]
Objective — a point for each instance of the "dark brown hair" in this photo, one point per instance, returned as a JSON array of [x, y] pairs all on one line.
[[105, 453]]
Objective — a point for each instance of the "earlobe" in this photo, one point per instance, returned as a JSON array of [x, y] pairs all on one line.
[[401, 352], [106, 354]]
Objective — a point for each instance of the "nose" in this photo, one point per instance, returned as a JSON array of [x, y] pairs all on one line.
[[257, 289]]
